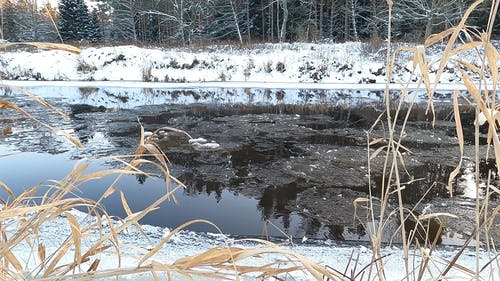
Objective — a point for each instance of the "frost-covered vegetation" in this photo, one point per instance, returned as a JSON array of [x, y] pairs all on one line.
[[298, 62]]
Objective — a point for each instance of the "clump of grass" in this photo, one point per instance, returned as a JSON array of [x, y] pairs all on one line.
[[44, 45], [481, 83]]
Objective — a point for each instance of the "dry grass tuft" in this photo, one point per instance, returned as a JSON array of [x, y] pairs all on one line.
[[43, 45], [481, 83]]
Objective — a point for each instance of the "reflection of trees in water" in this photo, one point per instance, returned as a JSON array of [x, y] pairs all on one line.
[[198, 186], [273, 201], [273, 205], [311, 226], [141, 178], [336, 232]]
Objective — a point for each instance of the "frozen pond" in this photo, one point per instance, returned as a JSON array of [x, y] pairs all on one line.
[[283, 152]]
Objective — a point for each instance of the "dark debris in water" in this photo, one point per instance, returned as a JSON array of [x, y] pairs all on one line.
[[307, 160]]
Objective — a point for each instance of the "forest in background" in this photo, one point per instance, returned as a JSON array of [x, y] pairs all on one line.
[[188, 22]]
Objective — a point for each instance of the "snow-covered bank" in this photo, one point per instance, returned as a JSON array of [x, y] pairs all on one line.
[[346, 63], [186, 243]]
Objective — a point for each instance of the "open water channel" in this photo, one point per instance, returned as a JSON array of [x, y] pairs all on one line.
[[289, 159]]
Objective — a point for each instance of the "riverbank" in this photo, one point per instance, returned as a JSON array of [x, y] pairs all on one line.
[[344, 63]]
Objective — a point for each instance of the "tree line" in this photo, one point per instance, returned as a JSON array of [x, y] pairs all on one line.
[[185, 22]]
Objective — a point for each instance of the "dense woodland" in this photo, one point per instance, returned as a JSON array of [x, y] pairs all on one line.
[[187, 22]]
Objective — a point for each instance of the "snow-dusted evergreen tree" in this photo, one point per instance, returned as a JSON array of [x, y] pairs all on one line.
[[27, 23], [7, 20], [74, 20], [94, 32]]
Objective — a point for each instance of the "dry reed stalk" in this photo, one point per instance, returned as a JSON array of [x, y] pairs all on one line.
[[43, 45], [480, 93]]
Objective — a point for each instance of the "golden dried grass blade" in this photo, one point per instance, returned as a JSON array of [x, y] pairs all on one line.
[[453, 38], [78, 169], [60, 254], [95, 251], [377, 152], [6, 104], [153, 251], [94, 265], [131, 220], [436, 215], [401, 159], [9, 213], [473, 90], [104, 173], [40, 101], [438, 37], [125, 204], [43, 45], [209, 257], [458, 266], [77, 236], [109, 191], [491, 56], [420, 60], [156, 152], [496, 146], [375, 141], [11, 259], [465, 48], [314, 269], [7, 189], [41, 254], [460, 135], [470, 66]]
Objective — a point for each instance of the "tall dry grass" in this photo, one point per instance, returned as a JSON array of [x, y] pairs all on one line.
[[481, 83]]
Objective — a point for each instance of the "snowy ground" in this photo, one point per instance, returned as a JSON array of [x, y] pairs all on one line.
[[347, 63], [188, 243]]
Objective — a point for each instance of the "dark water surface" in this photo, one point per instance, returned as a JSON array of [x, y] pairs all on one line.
[[234, 213], [274, 167]]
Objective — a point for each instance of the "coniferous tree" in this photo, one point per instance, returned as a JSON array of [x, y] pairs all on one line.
[[7, 20], [27, 23], [94, 28], [74, 20]]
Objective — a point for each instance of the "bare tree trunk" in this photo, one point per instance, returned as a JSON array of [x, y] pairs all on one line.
[[430, 21], [308, 30], [321, 6], [236, 22], [263, 21], [181, 22], [132, 18], [284, 6], [331, 19], [354, 28], [374, 19], [271, 20], [278, 20], [346, 20], [248, 21]]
